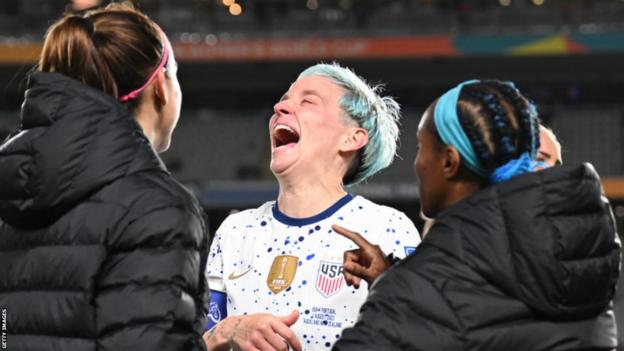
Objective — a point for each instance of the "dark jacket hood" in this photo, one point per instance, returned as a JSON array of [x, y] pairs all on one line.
[[73, 140], [547, 238]]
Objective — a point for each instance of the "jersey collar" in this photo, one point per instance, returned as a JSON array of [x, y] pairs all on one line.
[[299, 222]]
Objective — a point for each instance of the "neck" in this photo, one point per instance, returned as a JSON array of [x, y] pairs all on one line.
[[147, 117], [460, 191], [301, 198]]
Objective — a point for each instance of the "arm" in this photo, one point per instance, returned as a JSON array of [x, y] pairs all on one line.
[[219, 327], [403, 312], [260, 331], [151, 288], [217, 310]]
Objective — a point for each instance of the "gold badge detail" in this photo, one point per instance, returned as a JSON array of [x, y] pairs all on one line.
[[282, 273]]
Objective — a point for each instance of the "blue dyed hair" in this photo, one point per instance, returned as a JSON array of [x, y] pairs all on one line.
[[378, 115]]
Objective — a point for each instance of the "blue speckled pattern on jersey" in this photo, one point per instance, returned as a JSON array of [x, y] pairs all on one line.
[[251, 240]]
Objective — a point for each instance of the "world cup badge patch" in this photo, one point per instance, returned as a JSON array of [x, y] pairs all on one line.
[[214, 313], [329, 279], [282, 273]]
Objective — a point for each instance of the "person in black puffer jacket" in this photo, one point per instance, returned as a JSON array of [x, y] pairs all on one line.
[[517, 259], [100, 248]]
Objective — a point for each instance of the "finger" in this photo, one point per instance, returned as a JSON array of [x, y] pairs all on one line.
[[291, 318], [353, 236], [351, 256], [276, 342], [287, 334], [249, 347], [262, 344], [351, 279], [246, 346], [356, 269]]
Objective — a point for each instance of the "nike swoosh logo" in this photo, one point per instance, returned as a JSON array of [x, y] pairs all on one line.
[[233, 276]]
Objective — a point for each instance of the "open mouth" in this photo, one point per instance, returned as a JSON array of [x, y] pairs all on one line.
[[284, 136]]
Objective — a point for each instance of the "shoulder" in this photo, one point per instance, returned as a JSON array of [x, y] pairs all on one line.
[[248, 218], [383, 216], [157, 209], [422, 279], [147, 191], [371, 208]]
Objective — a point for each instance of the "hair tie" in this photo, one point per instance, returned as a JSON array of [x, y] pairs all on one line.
[[515, 167]]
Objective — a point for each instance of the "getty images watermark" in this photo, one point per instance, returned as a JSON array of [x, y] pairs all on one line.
[[3, 342]]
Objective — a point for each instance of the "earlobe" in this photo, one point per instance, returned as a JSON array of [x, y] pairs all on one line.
[[452, 162], [357, 139]]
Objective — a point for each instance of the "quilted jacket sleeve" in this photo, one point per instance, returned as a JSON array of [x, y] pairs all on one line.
[[403, 312], [152, 290]]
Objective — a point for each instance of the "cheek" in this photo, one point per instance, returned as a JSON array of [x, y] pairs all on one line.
[[271, 121], [419, 165], [179, 94]]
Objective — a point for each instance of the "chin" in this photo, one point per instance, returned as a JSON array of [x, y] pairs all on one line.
[[429, 212], [277, 168], [162, 146]]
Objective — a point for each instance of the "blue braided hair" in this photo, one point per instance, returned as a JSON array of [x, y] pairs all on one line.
[[504, 132], [378, 115]]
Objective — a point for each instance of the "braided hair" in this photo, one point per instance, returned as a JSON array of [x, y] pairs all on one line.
[[499, 121]]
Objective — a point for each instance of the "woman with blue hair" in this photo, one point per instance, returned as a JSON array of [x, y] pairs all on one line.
[[275, 272], [516, 259]]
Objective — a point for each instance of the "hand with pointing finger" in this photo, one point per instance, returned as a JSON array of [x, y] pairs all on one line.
[[366, 262]]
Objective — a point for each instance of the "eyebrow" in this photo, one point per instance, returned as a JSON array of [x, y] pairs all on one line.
[[311, 92], [545, 154], [303, 93]]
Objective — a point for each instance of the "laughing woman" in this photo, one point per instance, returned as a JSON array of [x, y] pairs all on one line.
[[330, 129]]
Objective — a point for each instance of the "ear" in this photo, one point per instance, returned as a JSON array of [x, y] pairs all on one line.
[[451, 162], [356, 139], [160, 89]]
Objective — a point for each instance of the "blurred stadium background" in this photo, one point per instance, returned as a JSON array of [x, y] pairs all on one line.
[[237, 57]]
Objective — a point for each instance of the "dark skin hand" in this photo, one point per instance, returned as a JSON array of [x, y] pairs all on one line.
[[366, 262]]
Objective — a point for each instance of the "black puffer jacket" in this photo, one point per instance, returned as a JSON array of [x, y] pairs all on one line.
[[100, 248], [529, 264]]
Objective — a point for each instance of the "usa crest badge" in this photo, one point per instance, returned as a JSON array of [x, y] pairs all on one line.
[[329, 279], [282, 273]]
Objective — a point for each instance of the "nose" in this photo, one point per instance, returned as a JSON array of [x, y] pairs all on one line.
[[282, 108]]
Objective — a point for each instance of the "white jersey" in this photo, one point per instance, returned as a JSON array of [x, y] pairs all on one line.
[[267, 262]]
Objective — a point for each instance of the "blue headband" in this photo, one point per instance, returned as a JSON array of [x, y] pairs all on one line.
[[451, 131]]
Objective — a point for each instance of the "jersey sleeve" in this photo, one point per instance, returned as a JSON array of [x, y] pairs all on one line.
[[218, 309], [401, 237], [214, 267]]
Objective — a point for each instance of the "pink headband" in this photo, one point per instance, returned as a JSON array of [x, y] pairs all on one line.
[[133, 94]]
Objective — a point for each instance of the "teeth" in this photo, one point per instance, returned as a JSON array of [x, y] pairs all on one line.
[[285, 127]]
